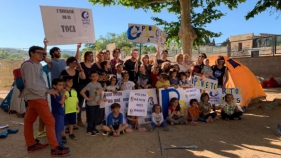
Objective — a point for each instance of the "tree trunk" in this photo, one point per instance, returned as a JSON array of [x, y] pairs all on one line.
[[186, 32]]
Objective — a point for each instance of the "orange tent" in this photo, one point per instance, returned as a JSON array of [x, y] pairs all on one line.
[[240, 76]]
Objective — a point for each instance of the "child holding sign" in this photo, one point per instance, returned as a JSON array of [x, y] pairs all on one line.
[[114, 122], [229, 110], [175, 114]]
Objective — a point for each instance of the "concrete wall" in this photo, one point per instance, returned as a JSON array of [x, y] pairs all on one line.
[[6, 72], [263, 66]]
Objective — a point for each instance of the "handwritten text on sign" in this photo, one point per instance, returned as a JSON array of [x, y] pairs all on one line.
[[218, 96], [63, 25], [137, 104], [205, 83]]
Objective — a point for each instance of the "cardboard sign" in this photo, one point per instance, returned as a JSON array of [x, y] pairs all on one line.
[[146, 34], [122, 97], [205, 83], [218, 97], [64, 25], [137, 104]]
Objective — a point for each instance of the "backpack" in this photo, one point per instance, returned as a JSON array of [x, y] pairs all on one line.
[[18, 78]]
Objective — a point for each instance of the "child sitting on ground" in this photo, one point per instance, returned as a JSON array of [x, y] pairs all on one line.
[[70, 106], [114, 122], [57, 110], [157, 118], [133, 123], [207, 70], [229, 110], [193, 112], [175, 114]]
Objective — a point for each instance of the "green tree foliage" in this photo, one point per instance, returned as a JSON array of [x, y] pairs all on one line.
[[262, 5], [12, 54], [224, 43], [65, 56], [120, 41], [193, 15]]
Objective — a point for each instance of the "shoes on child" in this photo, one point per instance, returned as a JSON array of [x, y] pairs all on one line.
[[36, 147], [72, 136], [60, 151], [40, 134], [91, 133], [209, 120], [193, 123]]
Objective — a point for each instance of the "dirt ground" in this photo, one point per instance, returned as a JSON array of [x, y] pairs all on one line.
[[252, 137]]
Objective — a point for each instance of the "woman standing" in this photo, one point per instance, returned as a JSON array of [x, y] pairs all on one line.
[[198, 65], [97, 66], [220, 72]]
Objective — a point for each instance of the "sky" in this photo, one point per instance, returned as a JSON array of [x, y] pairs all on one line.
[[21, 23]]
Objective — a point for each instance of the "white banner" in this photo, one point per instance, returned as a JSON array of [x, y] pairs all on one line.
[[184, 96], [137, 104], [218, 97], [205, 83], [122, 97], [68, 25], [146, 34]]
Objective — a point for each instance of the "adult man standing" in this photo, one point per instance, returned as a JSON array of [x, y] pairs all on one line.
[[56, 64], [164, 58], [115, 60], [131, 65], [35, 93]]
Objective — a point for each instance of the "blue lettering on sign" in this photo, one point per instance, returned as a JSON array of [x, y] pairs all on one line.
[[195, 81], [165, 100], [207, 85], [238, 100], [129, 32]]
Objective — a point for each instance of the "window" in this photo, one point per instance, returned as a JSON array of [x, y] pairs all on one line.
[[239, 46]]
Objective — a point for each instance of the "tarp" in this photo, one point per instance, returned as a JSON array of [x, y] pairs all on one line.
[[241, 76]]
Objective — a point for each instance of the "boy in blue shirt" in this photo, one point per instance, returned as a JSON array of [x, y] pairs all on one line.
[[114, 122], [57, 109]]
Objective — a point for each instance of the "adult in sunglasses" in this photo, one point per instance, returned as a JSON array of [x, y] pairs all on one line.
[[220, 71], [198, 65]]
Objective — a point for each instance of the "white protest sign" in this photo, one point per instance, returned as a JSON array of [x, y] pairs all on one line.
[[122, 97], [205, 83], [137, 104], [146, 34], [63, 25], [218, 97], [184, 96]]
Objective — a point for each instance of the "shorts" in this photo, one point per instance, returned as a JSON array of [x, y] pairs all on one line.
[[70, 119], [115, 127]]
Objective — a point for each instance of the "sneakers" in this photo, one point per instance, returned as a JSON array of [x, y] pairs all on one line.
[[91, 133], [40, 134], [60, 151], [97, 131], [107, 133], [72, 136], [63, 139], [209, 120], [36, 147], [193, 123]]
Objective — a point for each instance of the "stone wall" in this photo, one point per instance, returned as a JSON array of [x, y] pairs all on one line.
[[263, 66], [6, 72]]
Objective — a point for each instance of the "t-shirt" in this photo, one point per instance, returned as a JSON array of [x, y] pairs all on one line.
[[182, 68], [75, 79], [219, 73], [56, 106], [157, 118], [160, 61], [171, 109], [128, 85], [71, 101], [154, 78], [186, 82], [228, 109], [97, 68], [119, 79], [194, 111], [114, 121], [112, 88], [205, 107], [174, 81], [91, 87], [198, 68], [129, 66], [207, 71], [86, 71], [143, 80], [57, 67], [113, 63], [160, 84]]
